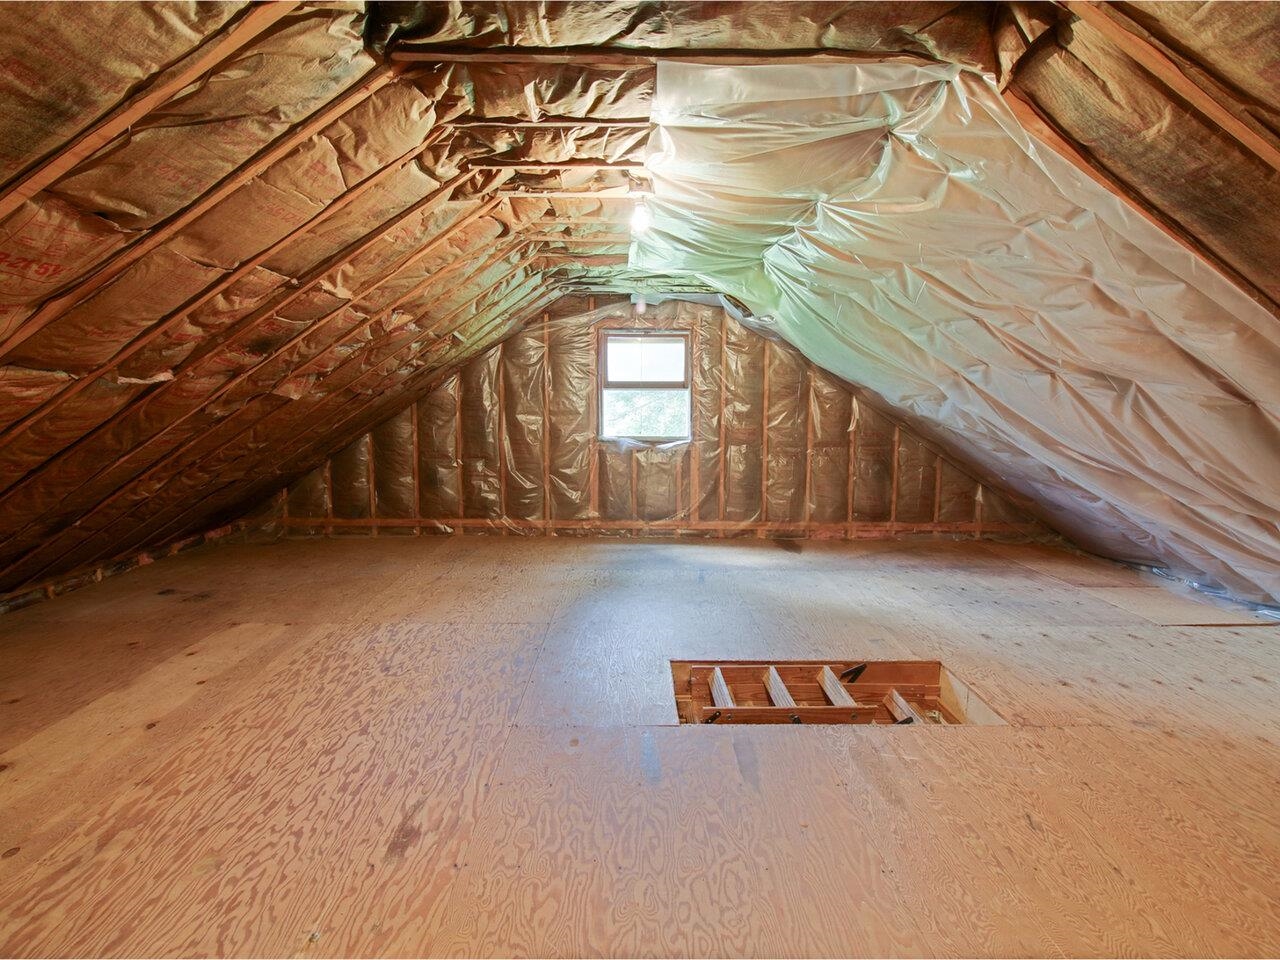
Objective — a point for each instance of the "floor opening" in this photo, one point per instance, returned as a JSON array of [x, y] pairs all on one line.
[[825, 691]]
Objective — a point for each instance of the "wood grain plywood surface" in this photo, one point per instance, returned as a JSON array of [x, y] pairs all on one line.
[[468, 746]]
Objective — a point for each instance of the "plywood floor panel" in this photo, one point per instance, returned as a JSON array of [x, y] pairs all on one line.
[[467, 745]]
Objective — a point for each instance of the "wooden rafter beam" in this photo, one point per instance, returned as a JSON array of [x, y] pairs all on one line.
[[320, 427], [1043, 130], [150, 476], [111, 424], [550, 122], [596, 57], [1169, 73], [225, 44], [106, 272], [175, 318]]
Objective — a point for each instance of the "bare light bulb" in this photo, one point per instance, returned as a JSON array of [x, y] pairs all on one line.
[[640, 219]]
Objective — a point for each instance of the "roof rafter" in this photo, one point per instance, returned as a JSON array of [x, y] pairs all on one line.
[[1164, 69], [176, 317], [325, 428], [113, 267], [223, 45]]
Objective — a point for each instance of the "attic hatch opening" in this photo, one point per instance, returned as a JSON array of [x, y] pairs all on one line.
[[898, 692], [645, 378]]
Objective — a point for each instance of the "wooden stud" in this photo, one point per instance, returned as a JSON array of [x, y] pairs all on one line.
[[764, 438], [546, 415], [724, 375], [221, 47], [415, 452], [593, 422], [372, 481], [501, 390], [893, 476]]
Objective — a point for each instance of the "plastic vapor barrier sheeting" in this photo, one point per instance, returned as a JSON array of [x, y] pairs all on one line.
[[894, 222]]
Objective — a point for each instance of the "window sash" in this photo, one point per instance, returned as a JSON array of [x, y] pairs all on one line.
[[681, 335]]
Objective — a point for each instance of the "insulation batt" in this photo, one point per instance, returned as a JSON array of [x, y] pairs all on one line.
[[511, 443], [902, 230]]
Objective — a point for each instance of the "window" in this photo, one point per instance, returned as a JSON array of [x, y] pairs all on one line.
[[644, 385]]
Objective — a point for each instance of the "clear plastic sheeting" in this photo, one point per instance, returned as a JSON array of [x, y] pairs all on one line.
[[903, 232], [511, 443]]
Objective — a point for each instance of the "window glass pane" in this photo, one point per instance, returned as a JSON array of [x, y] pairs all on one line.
[[622, 354], [645, 359], [656, 414]]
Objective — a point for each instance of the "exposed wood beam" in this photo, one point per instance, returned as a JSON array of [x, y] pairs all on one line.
[[541, 166], [225, 44], [174, 319], [150, 475], [349, 409], [1168, 72], [108, 426], [1042, 129], [596, 57], [587, 260], [550, 122], [600, 195], [554, 238], [106, 272]]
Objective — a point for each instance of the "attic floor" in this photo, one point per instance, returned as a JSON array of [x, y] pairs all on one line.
[[467, 745]]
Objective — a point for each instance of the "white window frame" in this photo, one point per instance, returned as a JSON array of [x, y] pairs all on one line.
[[602, 365]]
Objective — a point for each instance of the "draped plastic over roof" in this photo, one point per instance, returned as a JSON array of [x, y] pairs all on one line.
[[234, 236]]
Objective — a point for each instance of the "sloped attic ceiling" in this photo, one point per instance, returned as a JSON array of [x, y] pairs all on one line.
[[236, 236]]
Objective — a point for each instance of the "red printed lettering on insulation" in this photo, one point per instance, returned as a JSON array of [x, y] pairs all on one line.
[[15, 69], [168, 169], [38, 251]]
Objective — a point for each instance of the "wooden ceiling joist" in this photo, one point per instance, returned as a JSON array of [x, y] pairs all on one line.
[[589, 260], [610, 59], [224, 45], [378, 78], [601, 195], [569, 238], [1164, 69], [540, 166], [550, 122]]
